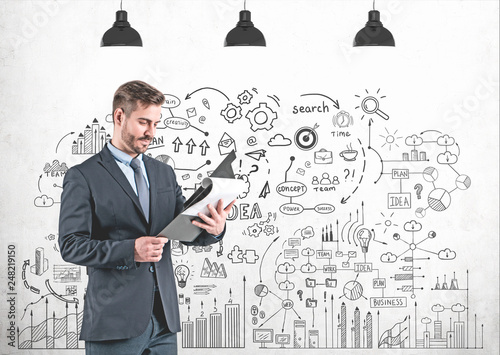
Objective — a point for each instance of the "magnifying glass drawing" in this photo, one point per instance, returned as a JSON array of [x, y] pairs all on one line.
[[370, 105]]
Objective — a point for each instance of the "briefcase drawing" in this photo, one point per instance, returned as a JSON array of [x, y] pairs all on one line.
[[323, 156]]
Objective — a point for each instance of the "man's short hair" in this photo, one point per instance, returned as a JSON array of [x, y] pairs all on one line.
[[135, 92]]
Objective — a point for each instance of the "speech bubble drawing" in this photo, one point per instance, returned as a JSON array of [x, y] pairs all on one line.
[[291, 254], [294, 242]]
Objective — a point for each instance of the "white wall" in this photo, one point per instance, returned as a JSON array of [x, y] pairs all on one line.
[[442, 77]]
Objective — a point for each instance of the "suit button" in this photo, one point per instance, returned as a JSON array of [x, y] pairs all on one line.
[[151, 268]]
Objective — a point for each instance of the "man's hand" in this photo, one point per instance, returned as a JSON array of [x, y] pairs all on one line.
[[149, 248], [215, 223]]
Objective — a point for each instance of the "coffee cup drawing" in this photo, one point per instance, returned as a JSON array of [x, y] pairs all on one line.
[[349, 154]]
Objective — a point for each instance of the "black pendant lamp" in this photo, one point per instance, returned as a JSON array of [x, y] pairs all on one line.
[[374, 33], [121, 34], [245, 33]]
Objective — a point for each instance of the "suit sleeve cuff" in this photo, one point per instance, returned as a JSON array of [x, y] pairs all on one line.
[[129, 259]]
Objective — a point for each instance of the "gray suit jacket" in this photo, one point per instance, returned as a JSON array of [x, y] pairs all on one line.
[[100, 219]]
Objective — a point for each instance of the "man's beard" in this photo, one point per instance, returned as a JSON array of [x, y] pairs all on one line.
[[130, 141]]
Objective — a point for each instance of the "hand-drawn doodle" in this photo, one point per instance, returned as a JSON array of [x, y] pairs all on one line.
[[349, 154], [43, 201], [92, 140], [231, 113], [67, 273], [266, 190], [251, 141], [323, 156], [178, 249], [261, 117], [212, 270], [256, 154], [209, 334], [181, 274], [245, 97], [191, 112], [206, 103], [41, 263], [370, 105], [390, 139], [331, 283], [306, 138], [279, 141], [342, 119], [226, 144]]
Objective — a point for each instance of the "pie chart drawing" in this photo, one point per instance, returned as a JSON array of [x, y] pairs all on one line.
[[353, 290], [430, 174], [261, 290], [420, 212], [439, 199], [166, 159], [463, 182]]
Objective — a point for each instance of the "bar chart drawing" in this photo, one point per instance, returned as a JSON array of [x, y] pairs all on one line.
[[220, 330], [92, 140]]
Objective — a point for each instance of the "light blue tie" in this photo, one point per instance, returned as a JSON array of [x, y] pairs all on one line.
[[142, 186]]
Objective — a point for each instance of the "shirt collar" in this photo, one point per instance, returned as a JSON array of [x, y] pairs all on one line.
[[120, 155]]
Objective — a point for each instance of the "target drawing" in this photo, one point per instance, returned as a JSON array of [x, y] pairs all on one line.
[[306, 138]]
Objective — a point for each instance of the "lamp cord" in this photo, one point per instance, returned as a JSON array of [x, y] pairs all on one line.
[[245, 5], [121, 3], [373, 4]]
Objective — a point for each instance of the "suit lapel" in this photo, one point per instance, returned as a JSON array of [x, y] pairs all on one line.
[[109, 163]]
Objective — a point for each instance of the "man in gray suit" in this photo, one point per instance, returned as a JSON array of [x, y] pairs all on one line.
[[112, 207]]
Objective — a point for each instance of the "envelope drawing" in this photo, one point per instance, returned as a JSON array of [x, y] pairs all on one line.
[[226, 144], [191, 112], [345, 264], [323, 156], [339, 254], [352, 254]]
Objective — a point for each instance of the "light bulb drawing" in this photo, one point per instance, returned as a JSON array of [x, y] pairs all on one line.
[[181, 273], [364, 237]]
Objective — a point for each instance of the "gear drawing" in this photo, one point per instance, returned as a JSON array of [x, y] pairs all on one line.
[[254, 230], [269, 229], [245, 97], [261, 117], [231, 113]]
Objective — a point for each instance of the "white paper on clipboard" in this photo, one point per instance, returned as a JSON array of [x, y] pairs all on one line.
[[217, 188]]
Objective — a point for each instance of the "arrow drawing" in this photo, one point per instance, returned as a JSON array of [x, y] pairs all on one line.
[[190, 145], [204, 146], [335, 102], [188, 96], [177, 143]]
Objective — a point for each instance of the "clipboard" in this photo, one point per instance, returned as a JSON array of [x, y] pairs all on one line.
[[181, 227]]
